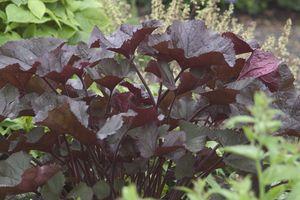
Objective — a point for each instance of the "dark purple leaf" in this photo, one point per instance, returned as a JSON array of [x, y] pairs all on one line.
[[191, 44], [185, 166], [185, 107], [109, 73], [281, 79], [152, 67], [259, 64], [15, 76], [226, 73], [12, 103], [17, 176], [207, 158], [221, 96], [188, 82], [26, 52], [113, 124], [144, 116], [196, 136], [146, 139], [240, 46], [126, 39], [67, 117]]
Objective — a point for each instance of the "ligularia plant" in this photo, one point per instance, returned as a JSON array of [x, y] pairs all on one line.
[[97, 124]]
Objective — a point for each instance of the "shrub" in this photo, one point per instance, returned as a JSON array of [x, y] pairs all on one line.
[[69, 19], [252, 6], [97, 129], [290, 4]]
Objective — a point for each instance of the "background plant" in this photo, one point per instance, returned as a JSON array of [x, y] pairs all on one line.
[[253, 7], [68, 19]]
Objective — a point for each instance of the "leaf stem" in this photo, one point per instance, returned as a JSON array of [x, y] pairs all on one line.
[[167, 91], [198, 112], [143, 81]]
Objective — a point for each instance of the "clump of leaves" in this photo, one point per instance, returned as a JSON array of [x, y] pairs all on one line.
[[70, 19], [275, 160], [98, 130]]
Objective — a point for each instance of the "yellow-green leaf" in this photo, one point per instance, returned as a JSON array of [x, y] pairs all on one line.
[[37, 8]]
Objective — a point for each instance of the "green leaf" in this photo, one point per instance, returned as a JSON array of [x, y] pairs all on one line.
[[243, 119], [89, 18], [130, 193], [101, 189], [248, 151], [65, 32], [81, 191], [53, 17], [46, 31], [275, 192], [20, 15], [49, 1], [20, 2], [277, 173], [37, 8], [29, 31], [295, 193], [84, 4], [53, 188], [12, 169], [3, 16]]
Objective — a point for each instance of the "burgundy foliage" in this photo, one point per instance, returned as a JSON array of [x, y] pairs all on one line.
[[135, 135]]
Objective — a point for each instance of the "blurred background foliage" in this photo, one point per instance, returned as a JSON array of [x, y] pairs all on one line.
[[67, 19], [249, 6]]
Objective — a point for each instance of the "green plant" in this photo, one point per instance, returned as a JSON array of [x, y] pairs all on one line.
[[252, 6], [67, 19], [290, 4], [97, 124]]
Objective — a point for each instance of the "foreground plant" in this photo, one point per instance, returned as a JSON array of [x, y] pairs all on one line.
[[95, 130]]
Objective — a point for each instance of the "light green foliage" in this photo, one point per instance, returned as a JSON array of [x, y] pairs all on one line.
[[130, 193], [290, 4], [252, 6], [37, 8], [22, 123], [67, 19]]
